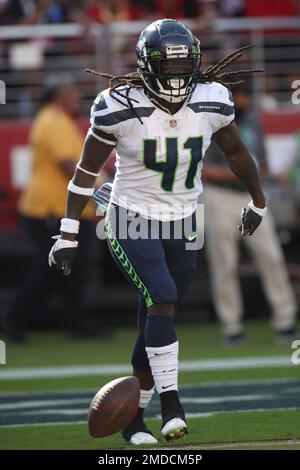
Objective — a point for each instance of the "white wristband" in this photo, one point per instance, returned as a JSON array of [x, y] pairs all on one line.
[[80, 190], [257, 210], [69, 225]]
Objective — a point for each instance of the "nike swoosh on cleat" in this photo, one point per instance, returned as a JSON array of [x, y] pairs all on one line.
[[192, 237], [166, 386], [171, 370]]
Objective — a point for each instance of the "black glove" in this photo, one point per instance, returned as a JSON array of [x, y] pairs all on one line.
[[62, 254], [250, 221]]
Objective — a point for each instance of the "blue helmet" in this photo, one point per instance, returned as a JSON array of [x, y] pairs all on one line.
[[169, 59]]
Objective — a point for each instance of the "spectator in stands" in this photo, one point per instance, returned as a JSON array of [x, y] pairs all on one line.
[[175, 8], [56, 142], [223, 198], [121, 10], [179, 9], [232, 8], [208, 10], [32, 12], [107, 11], [202, 12]]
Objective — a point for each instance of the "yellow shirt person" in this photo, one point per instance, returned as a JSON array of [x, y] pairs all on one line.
[[56, 142], [55, 139]]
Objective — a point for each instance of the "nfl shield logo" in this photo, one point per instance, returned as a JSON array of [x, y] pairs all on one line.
[[173, 123]]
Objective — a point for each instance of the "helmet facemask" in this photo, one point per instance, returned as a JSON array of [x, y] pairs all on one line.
[[171, 77]]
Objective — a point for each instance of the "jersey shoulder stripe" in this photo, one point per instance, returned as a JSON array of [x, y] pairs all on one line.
[[212, 98], [111, 119], [100, 103], [109, 113], [215, 101]]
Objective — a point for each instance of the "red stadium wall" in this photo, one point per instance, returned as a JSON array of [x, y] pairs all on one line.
[[15, 133]]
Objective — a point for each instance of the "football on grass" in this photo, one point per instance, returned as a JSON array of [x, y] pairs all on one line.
[[114, 406]]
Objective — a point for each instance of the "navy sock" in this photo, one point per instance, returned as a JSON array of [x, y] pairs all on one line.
[[139, 359], [159, 331]]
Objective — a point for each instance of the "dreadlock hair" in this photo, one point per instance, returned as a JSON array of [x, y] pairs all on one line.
[[213, 73]]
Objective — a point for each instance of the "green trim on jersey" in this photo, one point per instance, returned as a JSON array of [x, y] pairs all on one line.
[[167, 145], [123, 258], [195, 145]]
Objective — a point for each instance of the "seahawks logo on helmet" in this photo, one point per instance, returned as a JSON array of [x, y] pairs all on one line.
[[169, 59]]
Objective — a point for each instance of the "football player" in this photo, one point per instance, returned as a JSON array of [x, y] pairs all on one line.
[[161, 120]]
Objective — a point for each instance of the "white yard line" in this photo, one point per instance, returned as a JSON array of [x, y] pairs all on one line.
[[227, 398], [120, 369], [39, 403], [250, 444], [60, 423]]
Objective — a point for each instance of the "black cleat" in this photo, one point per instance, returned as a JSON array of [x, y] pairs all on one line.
[[137, 433], [174, 425]]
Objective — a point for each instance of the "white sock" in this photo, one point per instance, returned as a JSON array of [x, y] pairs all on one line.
[[145, 397], [164, 366]]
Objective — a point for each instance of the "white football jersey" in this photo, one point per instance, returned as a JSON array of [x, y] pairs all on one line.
[[159, 161]]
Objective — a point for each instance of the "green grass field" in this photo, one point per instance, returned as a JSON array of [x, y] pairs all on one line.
[[228, 407]]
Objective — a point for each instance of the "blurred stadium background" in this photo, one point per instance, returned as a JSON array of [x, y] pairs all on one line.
[[42, 39]]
